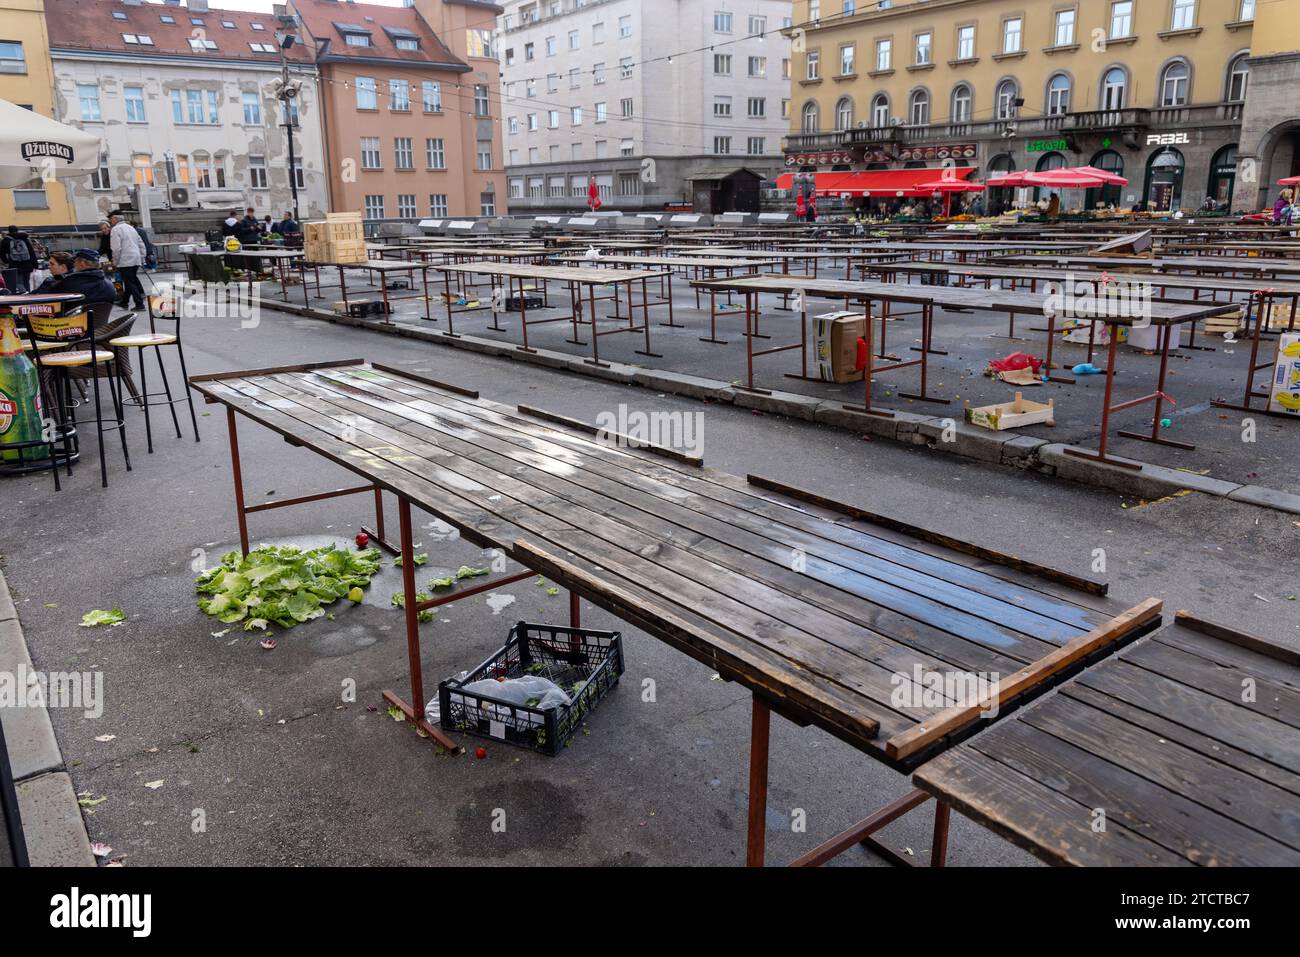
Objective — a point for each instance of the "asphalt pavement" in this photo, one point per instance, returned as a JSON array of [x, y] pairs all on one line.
[[212, 751]]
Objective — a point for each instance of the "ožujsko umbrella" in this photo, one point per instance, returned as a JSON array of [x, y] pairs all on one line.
[[36, 147]]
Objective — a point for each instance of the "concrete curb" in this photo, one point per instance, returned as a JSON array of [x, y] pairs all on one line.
[[948, 434], [53, 827]]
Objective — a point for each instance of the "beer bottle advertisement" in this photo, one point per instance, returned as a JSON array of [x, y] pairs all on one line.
[[20, 397]]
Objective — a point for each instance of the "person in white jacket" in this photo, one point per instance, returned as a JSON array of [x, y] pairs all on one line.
[[129, 254]]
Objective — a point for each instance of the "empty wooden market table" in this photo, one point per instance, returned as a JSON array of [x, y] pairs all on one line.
[[1183, 749], [699, 559]]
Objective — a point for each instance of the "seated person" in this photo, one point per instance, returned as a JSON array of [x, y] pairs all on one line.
[[79, 272]]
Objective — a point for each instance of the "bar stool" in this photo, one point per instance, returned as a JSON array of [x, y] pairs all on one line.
[[153, 339], [81, 360]]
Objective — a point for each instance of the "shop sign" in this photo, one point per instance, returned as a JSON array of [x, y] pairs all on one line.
[[1045, 146], [930, 153]]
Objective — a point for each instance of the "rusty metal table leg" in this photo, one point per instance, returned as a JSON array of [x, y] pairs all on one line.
[[760, 726], [238, 475]]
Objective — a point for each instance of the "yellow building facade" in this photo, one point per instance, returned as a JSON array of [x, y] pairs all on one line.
[[1155, 90], [26, 78]]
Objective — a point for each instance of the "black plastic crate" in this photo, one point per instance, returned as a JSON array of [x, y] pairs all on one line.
[[568, 656]]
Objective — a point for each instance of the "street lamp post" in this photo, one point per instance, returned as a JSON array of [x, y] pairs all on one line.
[[287, 92]]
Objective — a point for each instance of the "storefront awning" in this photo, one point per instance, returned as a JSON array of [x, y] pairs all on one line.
[[878, 182]]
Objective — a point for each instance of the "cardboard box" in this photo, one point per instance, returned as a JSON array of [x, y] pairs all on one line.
[[835, 346], [1284, 393]]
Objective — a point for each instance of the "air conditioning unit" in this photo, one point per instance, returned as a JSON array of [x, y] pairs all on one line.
[[180, 197]]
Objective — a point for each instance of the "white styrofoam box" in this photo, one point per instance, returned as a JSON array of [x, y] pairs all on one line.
[[1284, 393], [1147, 338]]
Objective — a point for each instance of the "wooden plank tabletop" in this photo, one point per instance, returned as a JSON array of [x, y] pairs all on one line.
[[1057, 273], [595, 277], [825, 614], [1188, 742], [672, 261], [952, 297], [1207, 264]]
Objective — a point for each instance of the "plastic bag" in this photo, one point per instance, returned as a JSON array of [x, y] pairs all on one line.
[[542, 692]]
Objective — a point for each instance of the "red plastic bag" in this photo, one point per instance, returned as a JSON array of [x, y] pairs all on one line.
[[1017, 360]]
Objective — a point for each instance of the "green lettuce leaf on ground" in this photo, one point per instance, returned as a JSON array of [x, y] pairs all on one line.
[[93, 619]]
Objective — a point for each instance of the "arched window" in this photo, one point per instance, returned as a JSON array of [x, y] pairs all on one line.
[[1111, 162], [811, 122], [1000, 197], [1050, 161], [1058, 95], [1164, 186], [1174, 81], [1008, 92], [918, 108], [1223, 175], [880, 110], [1238, 77], [960, 111], [844, 114], [1114, 89]]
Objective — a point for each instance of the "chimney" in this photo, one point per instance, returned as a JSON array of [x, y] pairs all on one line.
[[197, 6]]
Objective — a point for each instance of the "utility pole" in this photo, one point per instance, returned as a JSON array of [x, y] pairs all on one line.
[[287, 92]]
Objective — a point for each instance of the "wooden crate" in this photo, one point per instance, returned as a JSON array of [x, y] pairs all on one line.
[[1218, 325], [1011, 415]]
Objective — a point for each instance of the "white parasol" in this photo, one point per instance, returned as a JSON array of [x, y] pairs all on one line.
[[34, 146]]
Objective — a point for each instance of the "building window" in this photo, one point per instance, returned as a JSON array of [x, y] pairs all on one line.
[[813, 65], [1114, 86], [437, 204], [399, 96], [431, 96], [756, 146], [722, 106], [1247, 10], [1238, 77], [884, 54], [575, 39], [516, 187], [814, 9], [299, 178], [88, 97], [923, 49], [374, 206], [844, 114], [252, 109], [629, 184], [1011, 35], [722, 23], [142, 169], [757, 107], [12, 59], [625, 68], [367, 98], [406, 43], [487, 204], [435, 155], [553, 82], [811, 119], [99, 177], [529, 52], [403, 154], [406, 208], [624, 27], [597, 33], [918, 108], [722, 64], [597, 76], [532, 122], [209, 171], [575, 116], [1064, 35], [880, 110], [966, 43], [479, 44], [134, 97], [626, 148], [257, 171], [1184, 15], [356, 39], [1121, 19], [1008, 93], [480, 100], [1173, 84], [553, 119], [370, 158], [758, 25], [602, 112], [721, 145], [1058, 95], [846, 60], [961, 103], [625, 108], [483, 154], [758, 66]]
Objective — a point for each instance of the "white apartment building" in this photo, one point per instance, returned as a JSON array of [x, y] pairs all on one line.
[[630, 93], [184, 96]]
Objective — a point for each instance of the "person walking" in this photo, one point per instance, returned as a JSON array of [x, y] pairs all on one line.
[[129, 254], [19, 257]]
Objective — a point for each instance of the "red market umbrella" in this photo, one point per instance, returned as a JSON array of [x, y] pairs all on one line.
[[593, 195], [948, 187], [1011, 180], [1289, 181], [1064, 179], [1112, 179]]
